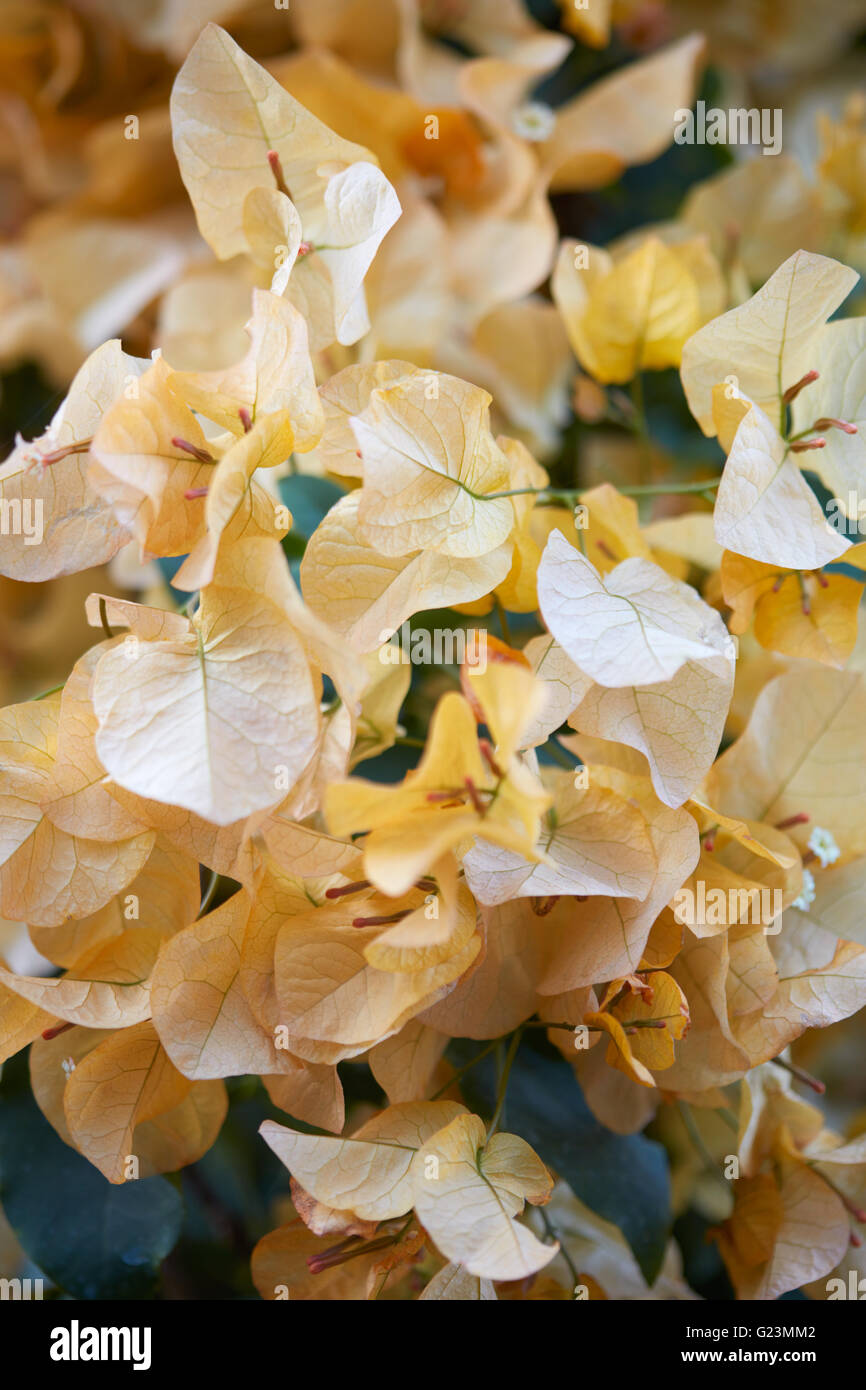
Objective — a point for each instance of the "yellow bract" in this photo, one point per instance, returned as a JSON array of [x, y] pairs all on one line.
[[626, 316], [453, 795]]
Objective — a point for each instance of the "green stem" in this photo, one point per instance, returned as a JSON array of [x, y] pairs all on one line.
[[695, 1136], [559, 755], [503, 621], [461, 1071], [43, 695], [533, 492], [642, 430], [665, 489], [551, 497], [503, 1081], [554, 1235]]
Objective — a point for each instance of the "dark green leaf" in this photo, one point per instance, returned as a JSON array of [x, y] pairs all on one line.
[[308, 499], [93, 1239]]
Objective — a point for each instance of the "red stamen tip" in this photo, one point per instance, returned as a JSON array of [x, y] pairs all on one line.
[[56, 1031]]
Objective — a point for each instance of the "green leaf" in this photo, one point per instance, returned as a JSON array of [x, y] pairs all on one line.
[[93, 1239], [308, 499], [621, 1177]]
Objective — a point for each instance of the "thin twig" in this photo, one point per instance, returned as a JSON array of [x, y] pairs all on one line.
[[503, 1081]]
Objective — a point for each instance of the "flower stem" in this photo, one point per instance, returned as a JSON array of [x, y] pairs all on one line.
[[695, 1136], [814, 1085], [641, 428], [503, 1081], [461, 1071], [552, 496], [503, 621]]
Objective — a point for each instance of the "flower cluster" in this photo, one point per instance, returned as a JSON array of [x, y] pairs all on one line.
[[357, 414]]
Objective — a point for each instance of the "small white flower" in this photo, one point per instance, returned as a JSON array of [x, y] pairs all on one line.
[[807, 893], [533, 120], [31, 455], [823, 846], [68, 1065]]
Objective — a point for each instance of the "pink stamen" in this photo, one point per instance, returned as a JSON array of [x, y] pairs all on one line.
[[486, 749], [383, 921], [55, 455], [193, 449], [829, 422], [347, 888], [277, 171], [793, 391], [473, 795]]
